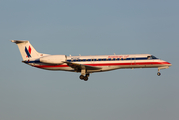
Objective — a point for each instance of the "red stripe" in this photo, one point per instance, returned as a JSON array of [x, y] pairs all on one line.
[[108, 64], [29, 50], [138, 63], [47, 66]]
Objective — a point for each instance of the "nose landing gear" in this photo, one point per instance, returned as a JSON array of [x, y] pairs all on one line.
[[165, 67], [158, 72]]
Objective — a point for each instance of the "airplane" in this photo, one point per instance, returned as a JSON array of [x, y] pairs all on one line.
[[87, 64]]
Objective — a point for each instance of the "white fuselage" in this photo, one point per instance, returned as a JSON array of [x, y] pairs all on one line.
[[106, 62], [87, 64]]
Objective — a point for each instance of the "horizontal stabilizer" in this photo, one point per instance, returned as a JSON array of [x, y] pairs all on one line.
[[19, 41]]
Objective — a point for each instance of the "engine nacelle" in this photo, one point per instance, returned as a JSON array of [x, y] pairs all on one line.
[[53, 59]]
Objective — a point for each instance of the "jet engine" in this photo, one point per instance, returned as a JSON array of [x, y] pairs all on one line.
[[53, 59]]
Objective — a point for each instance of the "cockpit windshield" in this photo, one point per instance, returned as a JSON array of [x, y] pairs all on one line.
[[151, 57]]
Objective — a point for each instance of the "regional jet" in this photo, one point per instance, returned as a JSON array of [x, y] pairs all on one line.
[[87, 64]]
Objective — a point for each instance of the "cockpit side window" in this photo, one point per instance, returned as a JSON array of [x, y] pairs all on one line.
[[148, 57], [151, 57]]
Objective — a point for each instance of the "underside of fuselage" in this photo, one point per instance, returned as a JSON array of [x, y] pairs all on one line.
[[65, 67]]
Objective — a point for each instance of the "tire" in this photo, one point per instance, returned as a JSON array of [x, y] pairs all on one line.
[[158, 73], [85, 78], [81, 77]]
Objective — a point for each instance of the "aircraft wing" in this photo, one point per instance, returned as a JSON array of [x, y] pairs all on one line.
[[82, 66]]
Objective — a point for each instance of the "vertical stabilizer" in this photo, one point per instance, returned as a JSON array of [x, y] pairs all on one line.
[[26, 49]]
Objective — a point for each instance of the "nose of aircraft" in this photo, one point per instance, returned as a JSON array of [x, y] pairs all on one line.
[[169, 64]]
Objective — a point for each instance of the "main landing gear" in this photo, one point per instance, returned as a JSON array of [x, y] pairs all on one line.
[[84, 75], [85, 78]]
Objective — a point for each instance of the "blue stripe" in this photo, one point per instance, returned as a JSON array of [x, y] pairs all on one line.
[[86, 60], [27, 52], [109, 59], [36, 61]]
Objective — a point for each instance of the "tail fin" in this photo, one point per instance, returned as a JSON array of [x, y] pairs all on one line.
[[26, 49]]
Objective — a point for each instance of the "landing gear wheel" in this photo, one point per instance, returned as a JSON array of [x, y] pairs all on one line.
[[85, 78], [81, 77], [158, 73]]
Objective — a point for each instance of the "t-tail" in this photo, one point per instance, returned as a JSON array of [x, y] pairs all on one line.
[[26, 49]]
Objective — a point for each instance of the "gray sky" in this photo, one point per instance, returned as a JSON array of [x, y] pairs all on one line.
[[94, 27]]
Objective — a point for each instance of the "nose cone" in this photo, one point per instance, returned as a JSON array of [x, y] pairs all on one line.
[[169, 64]]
